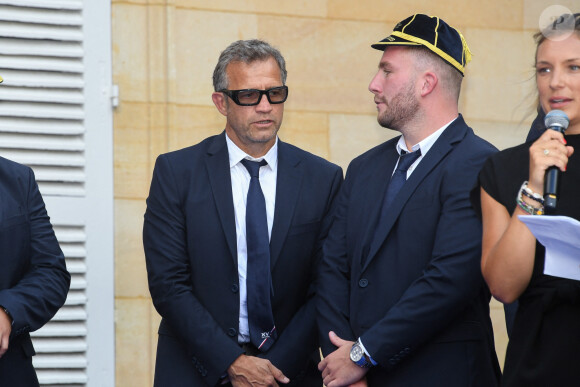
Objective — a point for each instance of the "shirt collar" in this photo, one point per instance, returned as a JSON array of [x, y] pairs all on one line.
[[236, 154], [424, 144]]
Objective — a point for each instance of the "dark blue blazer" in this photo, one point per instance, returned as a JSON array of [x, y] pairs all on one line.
[[34, 281], [415, 294], [189, 238]]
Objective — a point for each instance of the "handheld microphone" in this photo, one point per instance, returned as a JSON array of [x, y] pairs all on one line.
[[555, 120]]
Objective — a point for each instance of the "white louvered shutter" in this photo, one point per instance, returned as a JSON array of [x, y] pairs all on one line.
[[55, 116]]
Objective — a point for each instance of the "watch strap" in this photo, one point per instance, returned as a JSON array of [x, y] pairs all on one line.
[[364, 361]]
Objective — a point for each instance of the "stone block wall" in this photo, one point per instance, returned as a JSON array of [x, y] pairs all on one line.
[[164, 52]]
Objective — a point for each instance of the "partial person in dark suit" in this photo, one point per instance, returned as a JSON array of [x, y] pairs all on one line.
[[200, 242], [34, 281], [402, 301], [537, 127]]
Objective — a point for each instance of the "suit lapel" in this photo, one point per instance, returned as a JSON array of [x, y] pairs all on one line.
[[288, 184], [218, 170], [375, 187], [444, 144]]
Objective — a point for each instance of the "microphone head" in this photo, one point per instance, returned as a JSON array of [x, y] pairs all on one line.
[[557, 119]]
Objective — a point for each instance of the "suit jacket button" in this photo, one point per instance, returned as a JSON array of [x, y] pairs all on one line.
[[232, 332], [363, 283], [235, 288]]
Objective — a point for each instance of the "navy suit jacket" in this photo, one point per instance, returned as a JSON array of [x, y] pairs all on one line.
[[189, 238], [414, 294], [34, 281]]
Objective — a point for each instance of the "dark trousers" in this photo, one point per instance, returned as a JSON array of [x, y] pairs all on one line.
[[16, 365]]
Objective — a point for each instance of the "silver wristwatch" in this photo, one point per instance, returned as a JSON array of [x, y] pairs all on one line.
[[358, 356]]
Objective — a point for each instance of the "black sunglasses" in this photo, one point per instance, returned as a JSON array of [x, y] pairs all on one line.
[[251, 97]]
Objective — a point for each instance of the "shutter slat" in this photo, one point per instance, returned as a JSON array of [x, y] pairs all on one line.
[[39, 31], [43, 142], [29, 157], [53, 361], [75, 256], [75, 298], [60, 189], [41, 48], [61, 329], [70, 313], [60, 344], [24, 62], [41, 95], [41, 79], [36, 15], [30, 110], [72, 235], [78, 283], [51, 175], [41, 126], [48, 4], [52, 377]]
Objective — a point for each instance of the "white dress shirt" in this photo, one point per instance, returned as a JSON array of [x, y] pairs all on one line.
[[423, 145], [240, 185]]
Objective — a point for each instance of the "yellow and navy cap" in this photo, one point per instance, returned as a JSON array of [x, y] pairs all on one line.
[[433, 33], [1, 80]]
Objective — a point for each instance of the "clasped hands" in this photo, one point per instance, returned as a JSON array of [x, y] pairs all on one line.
[[254, 371], [337, 368]]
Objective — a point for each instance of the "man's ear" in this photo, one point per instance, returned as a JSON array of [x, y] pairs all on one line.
[[219, 100], [429, 81]]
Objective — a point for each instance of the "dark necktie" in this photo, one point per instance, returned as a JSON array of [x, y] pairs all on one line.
[[395, 184], [399, 177], [258, 281]]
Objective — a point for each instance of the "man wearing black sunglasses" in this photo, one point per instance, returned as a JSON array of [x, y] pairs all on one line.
[[233, 233]]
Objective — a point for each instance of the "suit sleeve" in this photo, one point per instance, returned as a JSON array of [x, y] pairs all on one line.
[[168, 270], [333, 310], [451, 281], [36, 297]]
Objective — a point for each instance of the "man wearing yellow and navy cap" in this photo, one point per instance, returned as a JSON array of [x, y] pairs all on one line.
[[34, 281], [401, 298]]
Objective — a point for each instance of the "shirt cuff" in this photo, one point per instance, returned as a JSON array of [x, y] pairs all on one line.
[[366, 352]]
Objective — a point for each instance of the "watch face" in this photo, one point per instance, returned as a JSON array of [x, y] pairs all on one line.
[[356, 353]]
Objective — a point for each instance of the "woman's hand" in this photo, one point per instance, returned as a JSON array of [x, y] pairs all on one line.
[[548, 150]]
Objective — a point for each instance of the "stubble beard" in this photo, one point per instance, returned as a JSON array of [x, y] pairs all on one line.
[[400, 111]]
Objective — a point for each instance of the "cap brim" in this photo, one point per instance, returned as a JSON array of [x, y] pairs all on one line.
[[393, 40]]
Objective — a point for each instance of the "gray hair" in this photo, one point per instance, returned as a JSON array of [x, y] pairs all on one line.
[[246, 51]]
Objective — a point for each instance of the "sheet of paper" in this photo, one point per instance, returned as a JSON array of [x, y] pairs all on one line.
[[560, 235]]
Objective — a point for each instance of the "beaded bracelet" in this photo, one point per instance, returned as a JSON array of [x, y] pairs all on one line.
[[525, 206], [531, 194]]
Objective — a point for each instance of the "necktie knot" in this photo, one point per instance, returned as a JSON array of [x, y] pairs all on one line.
[[407, 159], [253, 167]]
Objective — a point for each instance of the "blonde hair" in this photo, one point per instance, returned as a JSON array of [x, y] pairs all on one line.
[[552, 30]]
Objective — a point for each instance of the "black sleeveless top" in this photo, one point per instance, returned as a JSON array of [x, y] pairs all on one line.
[[544, 346]]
